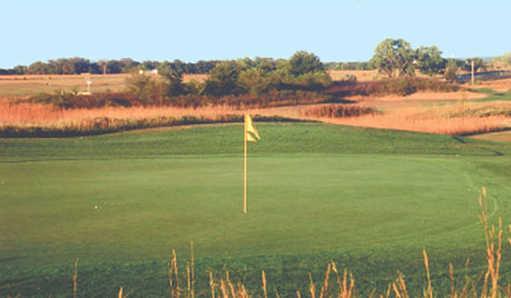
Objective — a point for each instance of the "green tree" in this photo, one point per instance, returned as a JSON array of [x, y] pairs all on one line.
[[172, 73], [145, 88], [223, 80], [394, 57], [39, 68], [478, 64], [429, 60], [256, 81], [303, 62], [451, 71]]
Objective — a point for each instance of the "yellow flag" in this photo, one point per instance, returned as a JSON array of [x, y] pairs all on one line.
[[250, 130]]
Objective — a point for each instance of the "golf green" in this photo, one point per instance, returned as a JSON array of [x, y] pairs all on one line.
[[372, 199]]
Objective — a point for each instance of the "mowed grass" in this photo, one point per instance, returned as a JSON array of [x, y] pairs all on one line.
[[371, 199]]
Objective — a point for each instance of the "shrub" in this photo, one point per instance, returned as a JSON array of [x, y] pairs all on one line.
[[451, 71], [339, 111], [147, 89]]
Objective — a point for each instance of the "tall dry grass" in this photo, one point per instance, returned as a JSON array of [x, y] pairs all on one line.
[[27, 114], [451, 119]]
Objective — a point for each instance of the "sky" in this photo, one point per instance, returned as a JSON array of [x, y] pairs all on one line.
[[191, 30]]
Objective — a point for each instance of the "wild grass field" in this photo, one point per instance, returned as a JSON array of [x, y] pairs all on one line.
[[371, 200]]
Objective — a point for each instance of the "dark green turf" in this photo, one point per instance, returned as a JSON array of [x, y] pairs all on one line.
[[371, 199]]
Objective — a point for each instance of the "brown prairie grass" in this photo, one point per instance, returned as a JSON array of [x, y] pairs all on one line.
[[27, 114], [456, 118], [423, 96], [441, 117], [502, 85], [361, 75]]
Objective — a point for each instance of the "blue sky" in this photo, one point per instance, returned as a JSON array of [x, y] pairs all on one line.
[[191, 30]]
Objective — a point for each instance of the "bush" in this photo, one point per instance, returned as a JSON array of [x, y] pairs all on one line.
[[147, 89], [98, 100], [339, 111], [410, 86], [451, 71]]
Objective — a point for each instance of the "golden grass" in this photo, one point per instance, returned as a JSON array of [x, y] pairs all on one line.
[[442, 113], [502, 136], [424, 96], [361, 75], [38, 115], [434, 124], [502, 85], [455, 118]]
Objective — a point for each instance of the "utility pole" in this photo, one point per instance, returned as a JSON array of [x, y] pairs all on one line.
[[473, 68]]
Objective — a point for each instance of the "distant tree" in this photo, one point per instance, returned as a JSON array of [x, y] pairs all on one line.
[[478, 64], [103, 65], [429, 60], [394, 57], [147, 89], [95, 68], [303, 62], [265, 65], [148, 65], [255, 80], [128, 64], [223, 80], [114, 66], [20, 69], [205, 66], [172, 73], [350, 65], [39, 67], [79, 65], [451, 71]]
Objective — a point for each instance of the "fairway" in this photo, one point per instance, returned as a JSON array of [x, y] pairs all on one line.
[[316, 192]]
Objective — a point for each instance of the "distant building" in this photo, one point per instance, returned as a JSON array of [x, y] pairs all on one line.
[[152, 72]]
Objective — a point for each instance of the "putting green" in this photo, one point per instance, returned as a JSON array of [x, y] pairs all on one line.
[[314, 190]]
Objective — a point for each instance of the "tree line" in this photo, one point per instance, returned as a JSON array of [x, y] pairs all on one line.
[[245, 82], [77, 65], [397, 58], [304, 71], [392, 57]]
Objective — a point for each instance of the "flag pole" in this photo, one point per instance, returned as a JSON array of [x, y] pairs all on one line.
[[245, 165]]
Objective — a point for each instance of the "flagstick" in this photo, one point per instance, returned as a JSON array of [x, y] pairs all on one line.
[[245, 167]]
